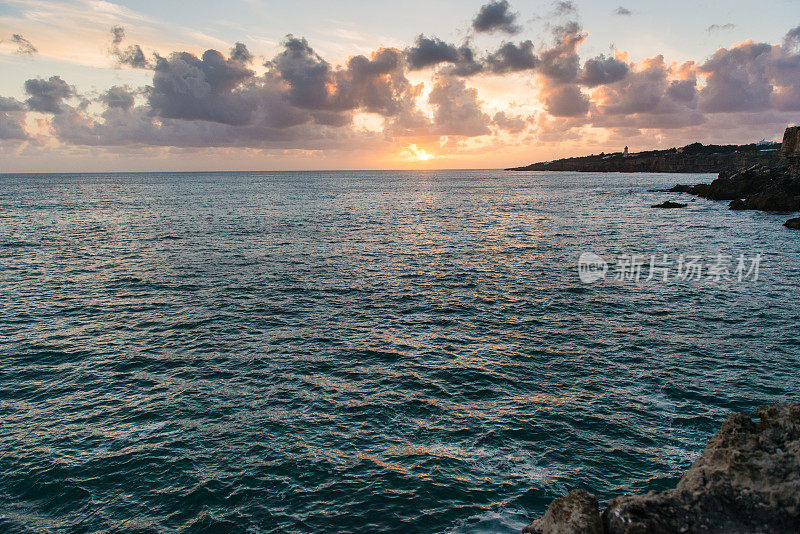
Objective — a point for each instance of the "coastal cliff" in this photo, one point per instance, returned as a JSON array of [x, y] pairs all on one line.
[[694, 158], [774, 187], [746, 481]]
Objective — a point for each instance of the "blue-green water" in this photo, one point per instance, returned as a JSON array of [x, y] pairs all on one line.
[[365, 352]]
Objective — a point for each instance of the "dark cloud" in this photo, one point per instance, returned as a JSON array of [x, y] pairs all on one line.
[[431, 51], [47, 96], [118, 97], [306, 73], [603, 70], [239, 52], [24, 46], [132, 56], [561, 62], [623, 12], [428, 52], [117, 35], [792, 39], [496, 16], [208, 88], [512, 57], [467, 64], [682, 90], [720, 27]]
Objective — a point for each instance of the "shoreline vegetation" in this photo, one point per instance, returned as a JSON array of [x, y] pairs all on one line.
[[760, 176], [746, 481]]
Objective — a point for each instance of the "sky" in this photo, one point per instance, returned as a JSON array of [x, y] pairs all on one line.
[[93, 85]]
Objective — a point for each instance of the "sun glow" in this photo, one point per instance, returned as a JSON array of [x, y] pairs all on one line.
[[420, 153]]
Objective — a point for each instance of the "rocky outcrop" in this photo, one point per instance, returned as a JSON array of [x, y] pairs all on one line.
[[759, 187], [790, 149], [774, 187], [794, 224], [669, 205], [746, 481], [574, 514]]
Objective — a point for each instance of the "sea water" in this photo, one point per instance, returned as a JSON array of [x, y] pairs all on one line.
[[368, 351]]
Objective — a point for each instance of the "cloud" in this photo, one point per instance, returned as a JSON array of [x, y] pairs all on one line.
[[132, 56], [496, 16], [24, 46], [512, 57], [623, 12], [720, 27], [428, 52], [603, 70], [652, 95], [511, 124], [566, 101], [118, 97], [682, 90], [306, 73], [240, 53], [432, 51], [457, 109], [792, 39], [12, 120], [299, 100], [561, 62], [565, 7], [47, 96], [737, 79], [208, 88]]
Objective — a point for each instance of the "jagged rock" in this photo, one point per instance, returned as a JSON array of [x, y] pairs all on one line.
[[791, 143], [669, 205], [794, 224], [758, 187], [574, 514], [746, 481], [679, 189]]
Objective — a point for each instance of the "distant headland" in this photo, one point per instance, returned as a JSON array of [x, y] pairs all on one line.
[[694, 158]]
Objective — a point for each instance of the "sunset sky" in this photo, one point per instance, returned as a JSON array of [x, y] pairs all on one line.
[[248, 85]]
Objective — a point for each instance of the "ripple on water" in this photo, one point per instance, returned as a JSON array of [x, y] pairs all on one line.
[[341, 352]]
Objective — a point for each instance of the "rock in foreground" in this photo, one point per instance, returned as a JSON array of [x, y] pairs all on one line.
[[574, 514], [746, 481]]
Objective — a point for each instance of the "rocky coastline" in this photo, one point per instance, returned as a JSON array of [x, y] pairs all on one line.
[[759, 176], [746, 481], [694, 158], [774, 187]]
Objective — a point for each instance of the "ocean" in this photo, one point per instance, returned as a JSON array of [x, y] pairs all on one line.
[[371, 351]]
